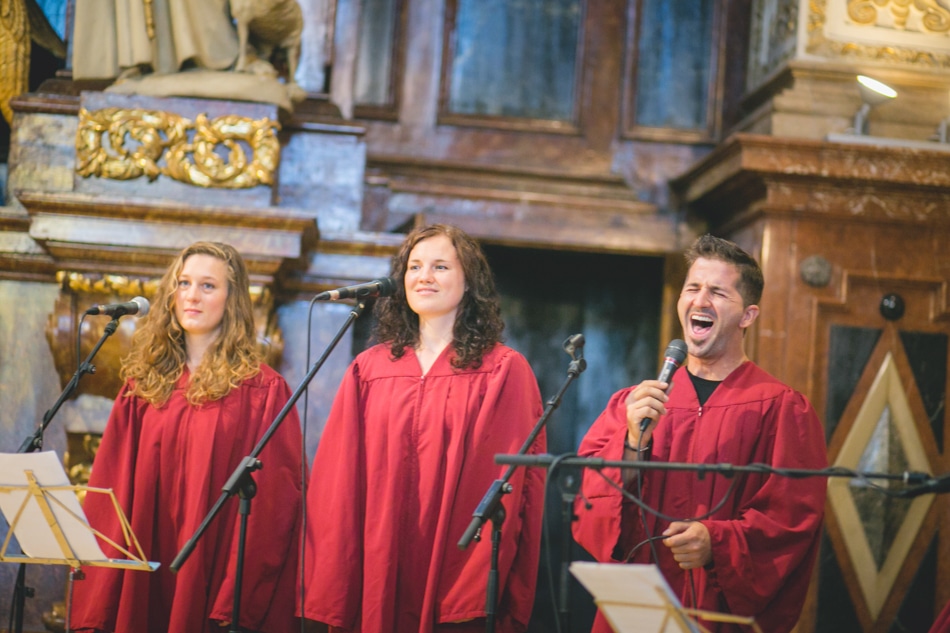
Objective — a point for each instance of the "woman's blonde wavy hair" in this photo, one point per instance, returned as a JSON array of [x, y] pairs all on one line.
[[158, 356]]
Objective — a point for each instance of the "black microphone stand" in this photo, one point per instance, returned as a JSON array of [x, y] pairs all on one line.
[[34, 443], [242, 484], [569, 483], [917, 480], [491, 508], [918, 483], [932, 485]]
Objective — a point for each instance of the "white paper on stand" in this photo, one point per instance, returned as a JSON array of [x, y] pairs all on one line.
[[32, 530], [634, 598]]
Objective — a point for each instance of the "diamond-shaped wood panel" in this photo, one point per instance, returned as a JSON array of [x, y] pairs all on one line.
[[884, 422], [884, 429]]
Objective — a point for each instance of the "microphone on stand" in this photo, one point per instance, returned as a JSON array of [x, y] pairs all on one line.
[[138, 305], [383, 287], [932, 485], [674, 355], [574, 345]]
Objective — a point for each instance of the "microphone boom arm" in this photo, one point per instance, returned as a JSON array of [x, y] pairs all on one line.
[[35, 441], [489, 503]]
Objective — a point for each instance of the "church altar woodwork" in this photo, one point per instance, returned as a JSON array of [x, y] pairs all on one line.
[[165, 136]]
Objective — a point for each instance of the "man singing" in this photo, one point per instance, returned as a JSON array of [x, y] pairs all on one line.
[[746, 550]]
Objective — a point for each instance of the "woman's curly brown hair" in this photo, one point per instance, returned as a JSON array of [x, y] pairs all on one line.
[[478, 323], [158, 356]]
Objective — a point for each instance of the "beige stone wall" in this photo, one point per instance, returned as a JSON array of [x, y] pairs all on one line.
[[29, 386]]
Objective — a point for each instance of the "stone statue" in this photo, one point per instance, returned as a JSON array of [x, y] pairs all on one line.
[[269, 25], [112, 37], [189, 48]]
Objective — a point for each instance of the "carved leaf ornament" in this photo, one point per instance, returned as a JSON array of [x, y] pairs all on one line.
[[231, 151]]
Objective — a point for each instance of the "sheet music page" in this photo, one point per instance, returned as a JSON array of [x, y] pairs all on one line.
[[633, 598], [32, 530]]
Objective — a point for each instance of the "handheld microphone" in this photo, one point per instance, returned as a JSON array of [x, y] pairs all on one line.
[[674, 355], [383, 287], [138, 305]]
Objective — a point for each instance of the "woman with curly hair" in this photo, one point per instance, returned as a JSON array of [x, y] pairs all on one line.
[[196, 400], [408, 453]]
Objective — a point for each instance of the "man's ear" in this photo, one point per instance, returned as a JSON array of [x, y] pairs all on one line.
[[749, 316]]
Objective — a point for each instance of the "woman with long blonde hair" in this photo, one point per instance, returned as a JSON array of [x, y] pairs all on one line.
[[197, 398]]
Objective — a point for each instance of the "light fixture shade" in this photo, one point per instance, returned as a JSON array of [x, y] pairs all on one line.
[[873, 92]]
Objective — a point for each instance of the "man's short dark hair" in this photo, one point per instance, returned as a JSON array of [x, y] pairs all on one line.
[[751, 280]]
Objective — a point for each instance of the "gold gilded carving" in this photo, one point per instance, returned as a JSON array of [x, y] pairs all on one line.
[[152, 132], [121, 285], [934, 18], [820, 44], [15, 57], [81, 449], [210, 170], [137, 140]]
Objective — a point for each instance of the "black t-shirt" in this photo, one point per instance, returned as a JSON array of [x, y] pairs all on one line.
[[704, 388]]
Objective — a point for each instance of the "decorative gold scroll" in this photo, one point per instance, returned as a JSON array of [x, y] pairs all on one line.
[[820, 44], [123, 144], [935, 18]]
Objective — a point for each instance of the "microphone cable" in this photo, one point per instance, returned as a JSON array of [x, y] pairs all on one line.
[[301, 571]]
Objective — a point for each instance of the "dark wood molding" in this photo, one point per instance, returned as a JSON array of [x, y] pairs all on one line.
[[529, 207], [751, 174]]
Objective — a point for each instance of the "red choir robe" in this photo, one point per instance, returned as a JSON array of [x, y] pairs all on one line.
[[764, 539], [942, 623], [167, 467], [402, 464]]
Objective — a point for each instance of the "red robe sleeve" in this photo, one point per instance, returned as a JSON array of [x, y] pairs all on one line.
[[271, 553], [942, 623], [115, 469], [336, 512], [765, 555], [598, 527], [509, 411]]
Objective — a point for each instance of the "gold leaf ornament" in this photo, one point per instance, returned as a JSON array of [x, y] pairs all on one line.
[[208, 168], [230, 151], [150, 133], [935, 18]]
